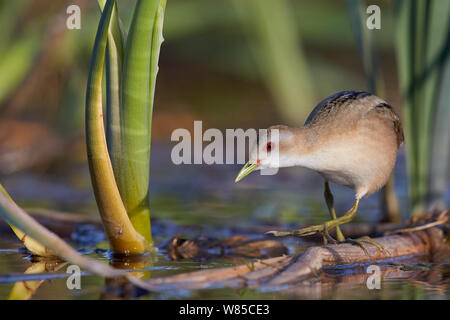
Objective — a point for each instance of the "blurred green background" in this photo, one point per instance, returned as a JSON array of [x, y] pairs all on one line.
[[229, 63], [216, 64]]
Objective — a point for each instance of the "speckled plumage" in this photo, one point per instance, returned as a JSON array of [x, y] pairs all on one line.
[[344, 103]]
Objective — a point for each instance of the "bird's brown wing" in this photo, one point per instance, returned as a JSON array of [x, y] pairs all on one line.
[[387, 111], [344, 102], [330, 105]]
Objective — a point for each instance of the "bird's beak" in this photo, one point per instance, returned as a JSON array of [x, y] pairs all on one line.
[[246, 170]]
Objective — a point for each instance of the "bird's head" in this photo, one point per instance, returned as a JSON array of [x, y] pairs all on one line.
[[275, 148]]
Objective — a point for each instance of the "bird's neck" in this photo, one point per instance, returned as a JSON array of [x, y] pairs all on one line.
[[306, 143]]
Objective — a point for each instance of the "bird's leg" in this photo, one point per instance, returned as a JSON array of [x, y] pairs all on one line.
[[360, 241], [330, 204], [321, 228], [349, 216], [327, 237], [369, 240]]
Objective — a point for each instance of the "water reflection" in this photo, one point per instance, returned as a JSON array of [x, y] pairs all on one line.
[[412, 278], [24, 290], [120, 288]]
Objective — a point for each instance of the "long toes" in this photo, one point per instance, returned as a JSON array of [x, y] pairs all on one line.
[[368, 240], [332, 240], [359, 242], [309, 231], [304, 233], [279, 233], [379, 246], [301, 233], [312, 230], [327, 237]]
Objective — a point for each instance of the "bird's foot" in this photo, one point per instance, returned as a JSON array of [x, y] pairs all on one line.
[[308, 231], [301, 232], [360, 241], [327, 238], [323, 229]]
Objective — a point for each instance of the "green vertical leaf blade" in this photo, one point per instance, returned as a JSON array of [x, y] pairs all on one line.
[[114, 66], [139, 78], [422, 49], [119, 230], [438, 94]]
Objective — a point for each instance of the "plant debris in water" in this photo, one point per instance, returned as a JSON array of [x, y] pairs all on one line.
[[205, 248]]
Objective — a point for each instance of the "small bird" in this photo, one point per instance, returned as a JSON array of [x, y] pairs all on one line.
[[351, 138]]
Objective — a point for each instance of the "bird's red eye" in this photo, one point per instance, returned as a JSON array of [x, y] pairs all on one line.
[[269, 146]]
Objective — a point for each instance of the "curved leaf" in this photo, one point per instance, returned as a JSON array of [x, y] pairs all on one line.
[[121, 234]]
